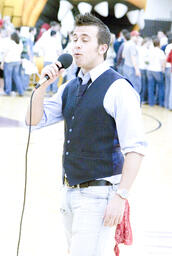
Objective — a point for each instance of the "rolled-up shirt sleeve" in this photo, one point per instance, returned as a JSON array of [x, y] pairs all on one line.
[[52, 109], [123, 103]]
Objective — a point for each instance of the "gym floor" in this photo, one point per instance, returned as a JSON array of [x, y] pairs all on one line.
[[42, 230]]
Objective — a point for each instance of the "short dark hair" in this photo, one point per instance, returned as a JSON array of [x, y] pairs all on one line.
[[127, 36], [103, 36], [156, 41], [170, 38], [15, 37], [53, 32], [32, 29], [124, 31]]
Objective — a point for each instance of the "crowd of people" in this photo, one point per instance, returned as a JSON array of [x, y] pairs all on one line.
[[145, 61]]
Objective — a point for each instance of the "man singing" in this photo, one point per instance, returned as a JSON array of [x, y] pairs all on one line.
[[104, 142]]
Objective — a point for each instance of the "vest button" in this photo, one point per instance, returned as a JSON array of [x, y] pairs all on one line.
[[67, 153], [70, 130], [68, 141]]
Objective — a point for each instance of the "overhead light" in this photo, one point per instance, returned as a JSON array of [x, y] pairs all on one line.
[[84, 7], [64, 7], [67, 23], [141, 19], [133, 16], [120, 10], [102, 8]]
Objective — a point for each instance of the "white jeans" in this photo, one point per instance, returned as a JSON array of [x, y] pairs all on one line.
[[83, 210]]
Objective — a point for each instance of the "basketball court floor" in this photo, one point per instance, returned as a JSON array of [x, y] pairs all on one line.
[[42, 231]]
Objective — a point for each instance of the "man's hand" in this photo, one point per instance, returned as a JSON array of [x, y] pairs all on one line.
[[52, 71], [114, 211]]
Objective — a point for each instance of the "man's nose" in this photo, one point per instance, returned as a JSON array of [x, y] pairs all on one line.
[[78, 44]]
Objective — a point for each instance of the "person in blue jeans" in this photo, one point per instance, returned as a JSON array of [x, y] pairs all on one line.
[[12, 71], [155, 88], [12, 62], [102, 115], [131, 61], [155, 74]]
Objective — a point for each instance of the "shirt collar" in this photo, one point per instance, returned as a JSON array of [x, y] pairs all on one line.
[[94, 73]]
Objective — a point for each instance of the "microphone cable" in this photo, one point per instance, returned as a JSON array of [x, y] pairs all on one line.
[[66, 60], [25, 177]]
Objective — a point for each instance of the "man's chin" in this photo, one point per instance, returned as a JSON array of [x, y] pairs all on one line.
[[78, 63]]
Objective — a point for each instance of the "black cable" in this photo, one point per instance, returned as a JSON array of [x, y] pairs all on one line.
[[25, 184]]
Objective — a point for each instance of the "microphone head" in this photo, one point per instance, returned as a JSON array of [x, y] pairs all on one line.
[[65, 59]]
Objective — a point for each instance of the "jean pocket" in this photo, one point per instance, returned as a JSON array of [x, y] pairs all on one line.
[[95, 192]]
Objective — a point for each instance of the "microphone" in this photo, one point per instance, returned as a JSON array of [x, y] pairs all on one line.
[[65, 59]]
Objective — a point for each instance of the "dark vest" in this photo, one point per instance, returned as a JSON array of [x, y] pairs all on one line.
[[91, 147]]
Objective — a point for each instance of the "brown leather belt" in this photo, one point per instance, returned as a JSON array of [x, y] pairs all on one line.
[[88, 183]]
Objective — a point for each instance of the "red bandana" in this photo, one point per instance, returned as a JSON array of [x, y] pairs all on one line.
[[123, 232]]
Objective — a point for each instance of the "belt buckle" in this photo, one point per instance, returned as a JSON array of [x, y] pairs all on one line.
[[74, 186]]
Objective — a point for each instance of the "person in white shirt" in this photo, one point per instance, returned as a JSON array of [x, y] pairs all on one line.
[[97, 122], [131, 61], [50, 48], [51, 51], [163, 38], [155, 74], [11, 64], [143, 64]]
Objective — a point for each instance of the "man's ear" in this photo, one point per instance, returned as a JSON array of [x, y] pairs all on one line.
[[103, 48]]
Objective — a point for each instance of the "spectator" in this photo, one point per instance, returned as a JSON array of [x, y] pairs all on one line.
[[168, 84], [43, 29], [12, 62], [8, 26], [119, 57], [1, 23], [169, 59], [24, 38], [143, 64], [54, 26], [31, 42], [155, 74], [131, 61], [163, 39], [118, 42], [50, 49]]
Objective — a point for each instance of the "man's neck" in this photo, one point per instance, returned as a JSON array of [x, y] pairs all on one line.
[[88, 69]]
